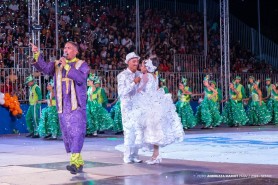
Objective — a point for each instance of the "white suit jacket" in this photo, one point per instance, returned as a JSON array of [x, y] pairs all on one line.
[[126, 90]]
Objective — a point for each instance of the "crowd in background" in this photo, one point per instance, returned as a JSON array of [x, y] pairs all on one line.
[[106, 33]]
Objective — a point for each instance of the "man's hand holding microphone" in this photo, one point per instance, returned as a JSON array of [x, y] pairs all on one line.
[[62, 61]]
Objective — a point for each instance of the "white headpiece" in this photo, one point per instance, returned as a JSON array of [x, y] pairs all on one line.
[[131, 56], [149, 65]]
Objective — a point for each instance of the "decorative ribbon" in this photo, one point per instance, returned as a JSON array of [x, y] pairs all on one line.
[[59, 81]]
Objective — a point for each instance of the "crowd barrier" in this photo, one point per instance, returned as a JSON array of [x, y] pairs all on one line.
[[189, 63]]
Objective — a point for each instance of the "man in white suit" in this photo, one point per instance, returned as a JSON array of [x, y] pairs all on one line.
[[128, 81]]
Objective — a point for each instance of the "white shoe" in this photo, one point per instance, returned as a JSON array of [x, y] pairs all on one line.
[[127, 161], [136, 160], [95, 133], [157, 160]]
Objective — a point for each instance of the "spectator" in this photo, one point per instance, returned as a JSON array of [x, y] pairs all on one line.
[[2, 76], [163, 67], [12, 77], [13, 6], [7, 87]]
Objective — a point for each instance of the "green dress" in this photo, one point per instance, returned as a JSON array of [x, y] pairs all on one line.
[[49, 121], [240, 89], [33, 113], [233, 113], [166, 90], [249, 94], [116, 115], [184, 109], [217, 99], [98, 117], [272, 105], [207, 112], [258, 114], [101, 97]]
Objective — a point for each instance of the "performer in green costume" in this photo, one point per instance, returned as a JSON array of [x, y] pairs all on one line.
[[257, 113], [183, 107], [116, 115], [251, 81], [217, 99], [33, 113], [49, 127], [101, 95], [233, 112], [272, 100], [162, 84], [207, 112], [240, 89], [268, 88], [97, 117]]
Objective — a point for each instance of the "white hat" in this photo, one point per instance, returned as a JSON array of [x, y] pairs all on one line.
[[131, 56]]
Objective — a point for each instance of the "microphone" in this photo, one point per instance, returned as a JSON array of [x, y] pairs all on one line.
[[64, 55]]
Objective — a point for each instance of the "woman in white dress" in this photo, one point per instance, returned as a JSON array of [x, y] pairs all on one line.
[[154, 113]]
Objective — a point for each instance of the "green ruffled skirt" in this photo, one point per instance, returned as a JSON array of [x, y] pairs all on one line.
[[185, 112], [234, 114], [272, 106], [98, 118], [208, 114], [258, 114], [116, 115], [49, 122]]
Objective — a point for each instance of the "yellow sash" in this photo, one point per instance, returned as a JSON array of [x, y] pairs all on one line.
[[59, 80]]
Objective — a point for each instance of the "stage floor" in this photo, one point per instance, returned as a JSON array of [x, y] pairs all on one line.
[[245, 155]]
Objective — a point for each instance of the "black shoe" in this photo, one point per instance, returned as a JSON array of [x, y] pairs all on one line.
[[89, 135], [30, 135], [100, 132], [80, 169], [52, 138], [119, 133], [35, 136], [48, 136], [74, 170]]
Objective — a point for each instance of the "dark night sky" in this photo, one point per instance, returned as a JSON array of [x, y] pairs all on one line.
[[246, 10]]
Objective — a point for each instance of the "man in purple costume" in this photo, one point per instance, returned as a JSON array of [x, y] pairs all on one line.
[[70, 82]]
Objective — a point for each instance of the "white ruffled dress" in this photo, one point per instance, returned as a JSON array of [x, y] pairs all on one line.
[[155, 117]]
